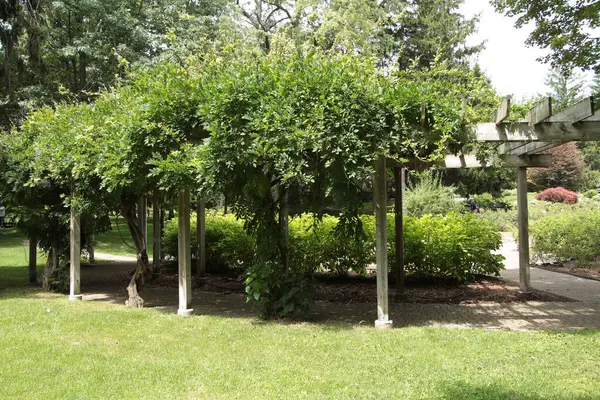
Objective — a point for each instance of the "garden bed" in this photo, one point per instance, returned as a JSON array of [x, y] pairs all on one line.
[[570, 268], [357, 289]]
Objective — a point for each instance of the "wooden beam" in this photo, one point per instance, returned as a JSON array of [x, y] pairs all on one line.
[[463, 161], [535, 148], [593, 118], [544, 132], [577, 112], [523, 219], [201, 238], [511, 160], [184, 255], [33, 242], [75, 262], [399, 183], [510, 147], [503, 111], [380, 202], [541, 111]]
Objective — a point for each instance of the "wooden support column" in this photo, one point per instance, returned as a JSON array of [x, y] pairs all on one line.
[[184, 255], [399, 182], [380, 201], [143, 217], [156, 234], [33, 259], [201, 238], [75, 264], [523, 229]]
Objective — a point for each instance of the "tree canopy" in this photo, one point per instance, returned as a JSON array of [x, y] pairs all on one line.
[[567, 28]]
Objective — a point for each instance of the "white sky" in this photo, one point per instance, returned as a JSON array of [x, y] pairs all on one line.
[[510, 64]]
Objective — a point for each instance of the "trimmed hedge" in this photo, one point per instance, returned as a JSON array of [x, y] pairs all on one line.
[[454, 245]]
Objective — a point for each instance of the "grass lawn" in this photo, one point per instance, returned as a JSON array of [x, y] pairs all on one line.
[[53, 349], [116, 243]]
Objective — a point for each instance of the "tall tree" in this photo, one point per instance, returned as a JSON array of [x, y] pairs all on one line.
[[565, 89], [567, 28]]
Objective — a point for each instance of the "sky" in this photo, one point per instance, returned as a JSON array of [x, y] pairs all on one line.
[[510, 64]]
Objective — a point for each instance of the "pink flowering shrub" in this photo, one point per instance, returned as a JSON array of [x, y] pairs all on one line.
[[557, 195]]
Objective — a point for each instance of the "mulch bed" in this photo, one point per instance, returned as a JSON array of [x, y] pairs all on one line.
[[355, 289], [569, 268]]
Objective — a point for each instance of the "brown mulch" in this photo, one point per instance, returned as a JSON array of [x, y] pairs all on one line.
[[570, 268], [364, 290], [348, 290]]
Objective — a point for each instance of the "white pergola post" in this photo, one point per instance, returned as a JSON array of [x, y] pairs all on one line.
[[380, 202], [184, 255], [75, 264], [523, 218], [201, 238], [156, 244], [400, 183]]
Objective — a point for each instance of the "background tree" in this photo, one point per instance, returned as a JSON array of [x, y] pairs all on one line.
[[566, 170], [566, 28], [565, 89]]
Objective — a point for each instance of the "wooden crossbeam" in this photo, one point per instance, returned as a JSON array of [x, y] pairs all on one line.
[[534, 148], [543, 132], [541, 111], [577, 112], [593, 118], [521, 148], [510, 147], [511, 160], [503, 111]]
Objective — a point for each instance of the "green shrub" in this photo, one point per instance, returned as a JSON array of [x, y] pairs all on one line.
[[276, 293], [504, 221], [457, 246], [484, 200], [590, 179], [573, 231], [454, 245], [426, 194], [590, 194], [228, 246]]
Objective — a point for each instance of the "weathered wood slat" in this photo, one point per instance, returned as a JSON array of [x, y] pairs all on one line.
[[541, 111], [511, 160], [535, 148], [503, 111], [577, 112], [586, 130]]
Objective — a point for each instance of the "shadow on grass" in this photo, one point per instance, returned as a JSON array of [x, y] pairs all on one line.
[[107, 283], [463, 390]]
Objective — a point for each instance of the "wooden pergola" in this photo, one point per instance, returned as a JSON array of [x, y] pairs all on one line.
[[520, 145]]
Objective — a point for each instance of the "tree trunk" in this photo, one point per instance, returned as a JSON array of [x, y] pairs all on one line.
[[51, 268], [142, 270]]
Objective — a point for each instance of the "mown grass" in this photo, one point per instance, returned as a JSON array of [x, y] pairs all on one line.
[[118, 241], [53, 349]]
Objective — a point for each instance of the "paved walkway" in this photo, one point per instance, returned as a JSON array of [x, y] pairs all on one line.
[[580, 289]]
